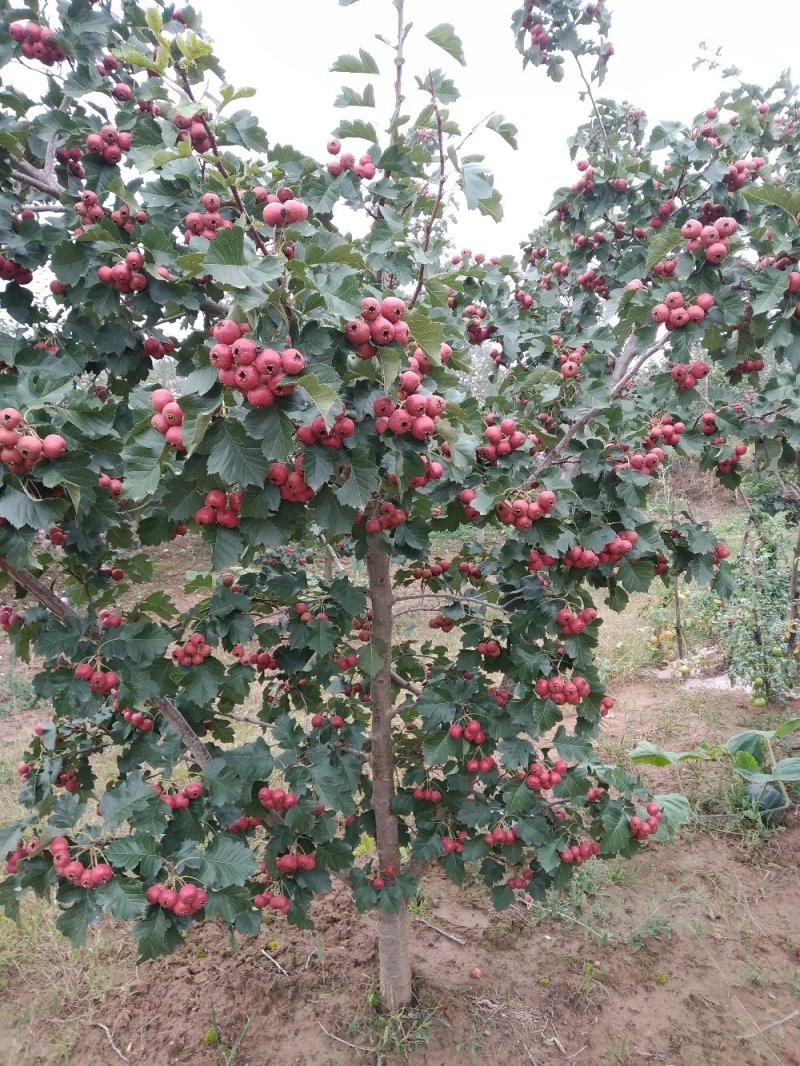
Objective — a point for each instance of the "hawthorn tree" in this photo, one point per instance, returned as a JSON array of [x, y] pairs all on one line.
[[321, 396]]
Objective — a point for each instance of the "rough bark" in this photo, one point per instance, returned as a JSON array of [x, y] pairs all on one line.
[[394, 960]]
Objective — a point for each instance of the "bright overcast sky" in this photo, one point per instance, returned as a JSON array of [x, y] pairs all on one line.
[[287, 56]]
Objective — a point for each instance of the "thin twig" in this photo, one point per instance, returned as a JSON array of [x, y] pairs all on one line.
[[355, 1047], [578, 1052], [590, 94], [107, 1031], [772, 1025], [439, 193], [275, 963], [441, 932], [398, 64]]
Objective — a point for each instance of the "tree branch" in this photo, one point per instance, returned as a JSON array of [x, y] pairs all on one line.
[[590, 94], [61, 610], [398, 64], [439, 194]]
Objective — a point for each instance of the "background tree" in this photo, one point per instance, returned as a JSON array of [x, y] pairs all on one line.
[[321, 393]]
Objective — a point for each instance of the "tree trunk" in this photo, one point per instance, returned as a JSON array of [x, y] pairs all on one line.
[[395, 964]]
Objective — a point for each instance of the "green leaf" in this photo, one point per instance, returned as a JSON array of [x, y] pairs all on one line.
[[350, 98], [428, 333], [127, 800], [362, 481], [357, 129], [323, 396], [506, 130], [676, 812], [153, 19], [139, 850], [477, 183], [70, 262], [363, 63], [663, 243], [227, 862], [76, 919], [444, 35], [652, 755], [157, 935], [125, 899], [226, 262], [783, 196], [236, 457]]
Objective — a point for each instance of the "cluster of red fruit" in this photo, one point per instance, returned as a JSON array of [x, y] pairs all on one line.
[[742, 171], [279, 903], [416, 414], [37, 42], [194, 129], [440, 621], [524, 299], [425, 573], [262, 660], [110, 619], [572, 624], [364, 168], [594, 282], [539, 560], [454, 844], [220, 508], [259, 374], [622, 543], [21, 448], [721, 551], [336, 721], [243, 823], [664, 269], [725, 466], [470, 570], [641, 828], [686, 375], [579, 853], [22, 851], [153, 348], [499, 837], [11, 271], [712, 239], [666, 430], [489, 649], [276, 799], [180, 799], [74, 870], [317, 432], [380, 323], [295, 860], [502, 439], [748, 366], [521, 512], [539, 777], [168, 417], [184, 901], [89, 209], [68, 780], [427, 795], [8, 617], [109, 144], [208, 222], [606, 703], [136, 719], [560, 270], [594, 793], [107, 65], [100, 681], [562, 691], [674, 314], [477, 332], [113, 484], [521, 882], [291, 483], [472, 732], [281, 208], [642, 464], [193, 653], [126, 275], [388, 516]]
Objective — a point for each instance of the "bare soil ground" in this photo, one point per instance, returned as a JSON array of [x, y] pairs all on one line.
[[687, 956]]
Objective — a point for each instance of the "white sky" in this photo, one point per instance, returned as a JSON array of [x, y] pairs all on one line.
[[286, 54]]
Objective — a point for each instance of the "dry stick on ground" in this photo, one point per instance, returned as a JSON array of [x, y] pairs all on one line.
[[772, 1025], [441, 932], [56, 606], [275, 963], [355, 1047], [107, 1031]]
